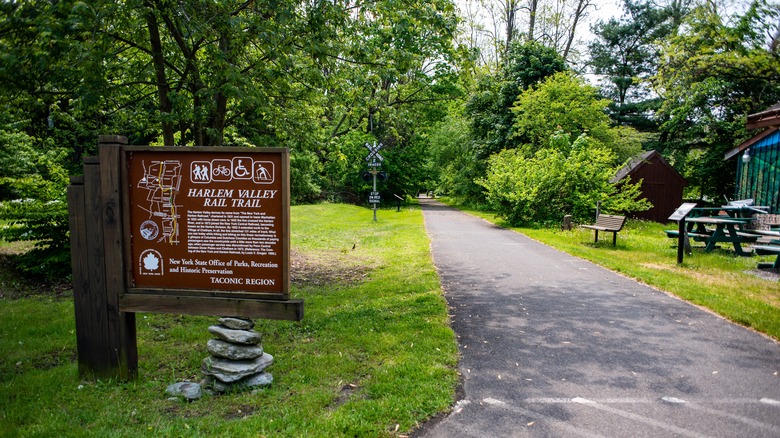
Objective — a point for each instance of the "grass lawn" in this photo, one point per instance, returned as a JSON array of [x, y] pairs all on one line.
[[721, 281], [373, 356]]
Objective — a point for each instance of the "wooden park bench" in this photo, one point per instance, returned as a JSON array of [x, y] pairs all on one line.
[[608, 222]]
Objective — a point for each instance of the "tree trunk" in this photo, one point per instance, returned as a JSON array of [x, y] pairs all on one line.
[[532, 8], [159, 71], [509, 15], [218, 117], [578, 13]]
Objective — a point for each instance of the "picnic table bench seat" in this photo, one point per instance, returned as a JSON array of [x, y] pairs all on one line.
[[607, 222], [694, 235], [768, 250], [748, 237], [767, 237], [775, 234]]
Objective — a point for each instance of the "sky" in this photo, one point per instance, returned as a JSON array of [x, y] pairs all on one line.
[[604, 10]]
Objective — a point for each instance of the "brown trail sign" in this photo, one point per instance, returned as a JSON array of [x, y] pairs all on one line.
[[201, 231]]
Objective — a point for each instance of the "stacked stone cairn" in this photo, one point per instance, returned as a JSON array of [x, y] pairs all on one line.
[[237, 360]]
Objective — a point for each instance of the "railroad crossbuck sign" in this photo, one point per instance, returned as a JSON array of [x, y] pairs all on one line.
[[374, 159]]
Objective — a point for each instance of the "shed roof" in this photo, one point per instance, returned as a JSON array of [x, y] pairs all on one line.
[[770, 118], [639, 161], [766, 118], [755, 139]]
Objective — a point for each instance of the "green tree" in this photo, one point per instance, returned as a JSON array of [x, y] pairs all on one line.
[[625, 55], [489, 106], [394, 89], [453, 164], [713, 74], [195, 73], [302, 75], [564, 102]]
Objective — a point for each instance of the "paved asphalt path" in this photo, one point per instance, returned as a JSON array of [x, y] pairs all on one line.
[[555, 346]]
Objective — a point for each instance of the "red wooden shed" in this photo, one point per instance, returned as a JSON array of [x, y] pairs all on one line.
[[662, 185]]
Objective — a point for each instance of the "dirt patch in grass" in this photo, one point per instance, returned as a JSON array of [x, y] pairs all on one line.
[[699, 276], [768, 296], [237, 412], [14, 285], [345, 394], [327, 267], [318, 268], [657, 266], [764, 273], [54, 359], [47, 361], [767, 274]]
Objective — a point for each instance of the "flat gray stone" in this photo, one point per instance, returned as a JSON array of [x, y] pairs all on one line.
[[254, 381], [219, 387], [237, 323], [257, 380], [227, 350], [246, 337], [188, 390], [229, 371]]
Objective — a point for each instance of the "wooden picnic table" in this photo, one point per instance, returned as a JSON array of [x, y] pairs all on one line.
[[725, 212], [731, 210], [725, 231]]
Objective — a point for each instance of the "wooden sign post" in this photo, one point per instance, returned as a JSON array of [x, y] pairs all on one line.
[[201, 231], [682, 236]]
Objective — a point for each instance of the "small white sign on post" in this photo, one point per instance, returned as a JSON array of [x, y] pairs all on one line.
[[374, 161]]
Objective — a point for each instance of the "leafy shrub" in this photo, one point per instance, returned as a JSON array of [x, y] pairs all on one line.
[[557, 181], [34, 206]]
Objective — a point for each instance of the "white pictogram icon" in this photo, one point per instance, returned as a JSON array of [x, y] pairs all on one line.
[[149, 230], [221, 170], [240, 171], [201, 171], [263, 172], [150, 263]]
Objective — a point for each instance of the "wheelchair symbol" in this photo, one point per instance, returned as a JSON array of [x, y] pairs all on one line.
[[240, 170]]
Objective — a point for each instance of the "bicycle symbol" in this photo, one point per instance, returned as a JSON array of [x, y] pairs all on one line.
[[221, 170]]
